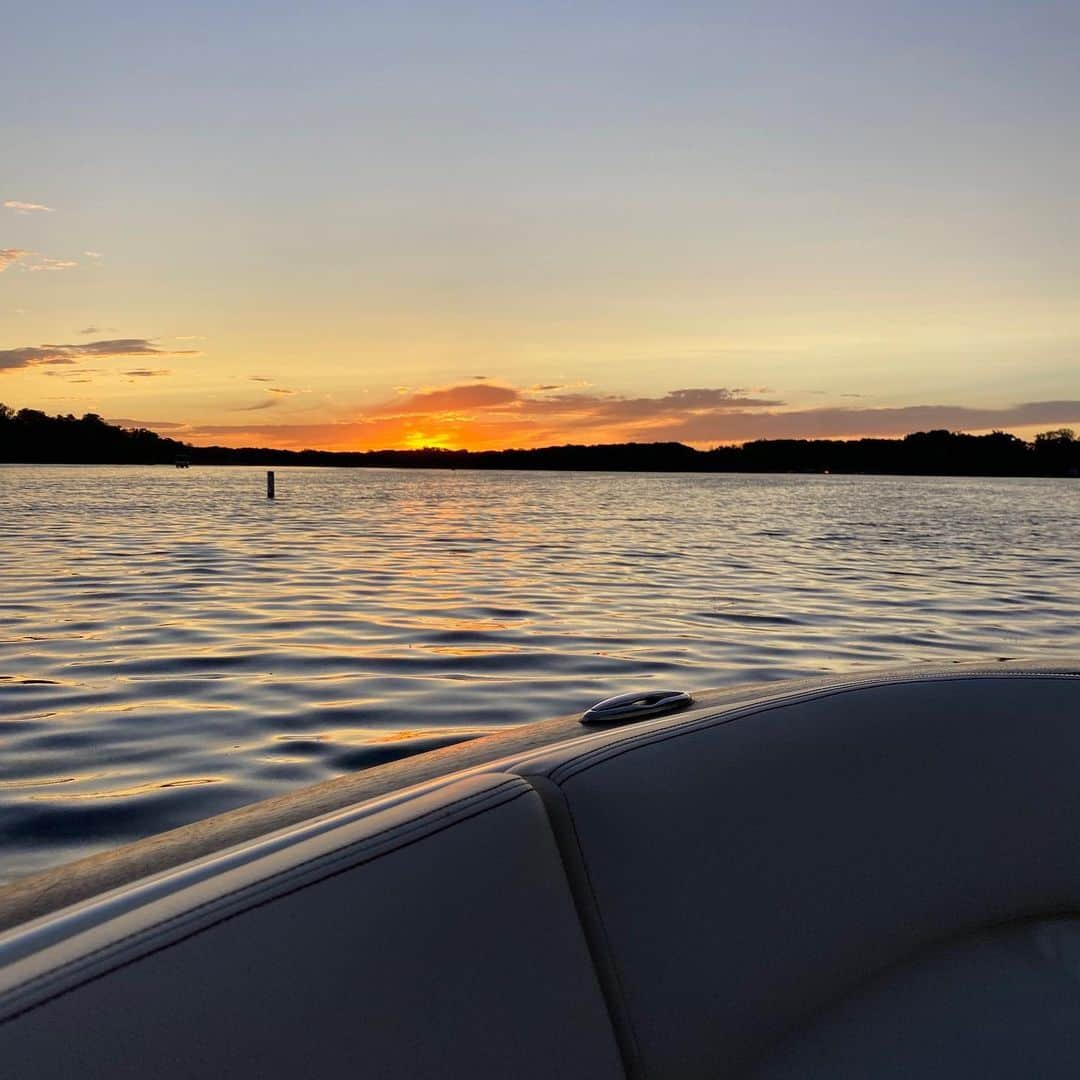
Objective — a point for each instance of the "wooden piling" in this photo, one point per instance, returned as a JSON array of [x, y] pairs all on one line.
[[269, 483]]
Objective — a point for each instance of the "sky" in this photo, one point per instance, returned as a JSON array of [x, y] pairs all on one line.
[[496, 224]]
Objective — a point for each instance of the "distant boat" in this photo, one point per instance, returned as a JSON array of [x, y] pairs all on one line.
[[859, 875], [183, 461]]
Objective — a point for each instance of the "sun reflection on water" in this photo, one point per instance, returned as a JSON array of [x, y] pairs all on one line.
[[175, 645]]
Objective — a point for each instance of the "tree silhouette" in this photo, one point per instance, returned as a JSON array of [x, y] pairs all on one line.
[[30, 436]]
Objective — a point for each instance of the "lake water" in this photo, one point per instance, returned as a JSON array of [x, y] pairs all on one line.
[[172, 644]]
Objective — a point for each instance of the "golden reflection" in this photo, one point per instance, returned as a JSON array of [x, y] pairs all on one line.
[[34, 783], [464, 650], [474, 626], [449, 734], [137, 790]]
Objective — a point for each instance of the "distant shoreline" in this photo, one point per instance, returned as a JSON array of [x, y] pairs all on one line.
[[30, 437], [552, 470]]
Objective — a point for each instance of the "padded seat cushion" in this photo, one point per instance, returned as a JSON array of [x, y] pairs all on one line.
[[1002, 1003], [747, 871], [435, 939]]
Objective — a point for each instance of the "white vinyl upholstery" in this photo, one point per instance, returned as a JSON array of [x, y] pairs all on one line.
[[1003, 1002], [751, 869], [437, 939]]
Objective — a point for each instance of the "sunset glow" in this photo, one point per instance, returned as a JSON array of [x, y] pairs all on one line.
[[518, 225]]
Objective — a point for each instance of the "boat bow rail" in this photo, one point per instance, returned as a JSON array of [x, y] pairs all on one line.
[[820, 878]]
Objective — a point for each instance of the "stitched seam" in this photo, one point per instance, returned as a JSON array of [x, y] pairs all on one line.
[[606, 936], [578, 765], [262, 886], [813, 694], [377, 845], [703, 723]]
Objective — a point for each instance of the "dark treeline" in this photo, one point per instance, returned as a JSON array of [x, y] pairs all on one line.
[[31, 437]]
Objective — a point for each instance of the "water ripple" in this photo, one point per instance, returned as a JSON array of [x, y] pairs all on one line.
[[173, 645]]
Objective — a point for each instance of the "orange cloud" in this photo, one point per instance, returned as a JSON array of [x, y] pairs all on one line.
[[10, 255], [450, 399], [363, 434], [489, 416], [33, 261]]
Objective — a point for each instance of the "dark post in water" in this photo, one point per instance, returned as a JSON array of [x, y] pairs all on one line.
[[269, 483]]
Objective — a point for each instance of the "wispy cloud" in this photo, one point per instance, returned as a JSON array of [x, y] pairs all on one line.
[[10, 255], [152, 425], [93, 255], [32, 261], [27, 207], [43, 355], [279, 391], [841, 423], [147, 373], [43, 262], [125, 347]]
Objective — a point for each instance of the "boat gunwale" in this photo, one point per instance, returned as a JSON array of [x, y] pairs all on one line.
[[53, 904]]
